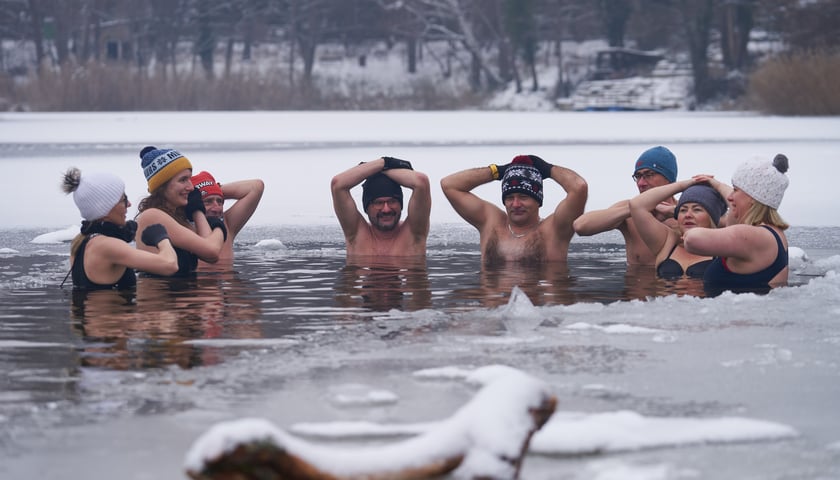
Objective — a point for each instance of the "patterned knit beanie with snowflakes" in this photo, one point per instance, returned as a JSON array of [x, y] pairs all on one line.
[[764, 181]]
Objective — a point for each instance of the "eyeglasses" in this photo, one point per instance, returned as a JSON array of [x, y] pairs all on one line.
[[379, 203], [124, 200], [647, 175]]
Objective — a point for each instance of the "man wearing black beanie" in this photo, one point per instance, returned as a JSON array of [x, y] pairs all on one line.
[[383, 234]]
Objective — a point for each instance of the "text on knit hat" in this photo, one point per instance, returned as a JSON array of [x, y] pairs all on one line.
[[160, 165], [206, 184]]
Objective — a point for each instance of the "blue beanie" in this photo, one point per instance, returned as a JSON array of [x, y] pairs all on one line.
[[707, 197], [660, 160]]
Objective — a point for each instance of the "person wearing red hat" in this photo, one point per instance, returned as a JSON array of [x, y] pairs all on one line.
[[176, 204], [246, 194], [517, 233]]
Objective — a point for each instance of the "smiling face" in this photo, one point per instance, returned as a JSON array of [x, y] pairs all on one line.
[[739, 204], [522, 209], [214, 204], [384, 213], [178, 188]]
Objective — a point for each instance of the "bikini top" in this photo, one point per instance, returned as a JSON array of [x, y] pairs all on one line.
[[670, 268], [719, 278], [81, 280]]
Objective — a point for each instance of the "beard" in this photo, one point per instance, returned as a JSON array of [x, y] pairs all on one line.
[[385, 222]]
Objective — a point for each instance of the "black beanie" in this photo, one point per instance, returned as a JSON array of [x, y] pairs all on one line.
[[380, 185]]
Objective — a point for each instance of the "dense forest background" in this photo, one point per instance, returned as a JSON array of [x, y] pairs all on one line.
[[779, 56]]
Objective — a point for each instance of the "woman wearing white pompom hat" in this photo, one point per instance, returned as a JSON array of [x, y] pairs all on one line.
[[100, 256], [751, 253]]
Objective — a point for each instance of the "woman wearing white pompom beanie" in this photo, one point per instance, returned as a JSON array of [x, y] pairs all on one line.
[[751, 253], [100, 255]]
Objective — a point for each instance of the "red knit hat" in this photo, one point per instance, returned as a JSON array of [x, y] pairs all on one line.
[[207, 184]]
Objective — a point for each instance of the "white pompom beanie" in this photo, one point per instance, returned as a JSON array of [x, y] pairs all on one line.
[[762, 181], [97, 194]]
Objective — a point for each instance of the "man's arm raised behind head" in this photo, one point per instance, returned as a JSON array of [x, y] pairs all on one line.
[[247, 194]]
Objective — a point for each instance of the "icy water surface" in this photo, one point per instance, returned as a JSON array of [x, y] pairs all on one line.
[[118, 385]]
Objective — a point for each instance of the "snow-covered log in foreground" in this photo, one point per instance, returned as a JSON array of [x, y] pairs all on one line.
[[486, 438]]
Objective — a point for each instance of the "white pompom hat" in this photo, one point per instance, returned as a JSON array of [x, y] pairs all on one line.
[[764, 181], [97, 194]]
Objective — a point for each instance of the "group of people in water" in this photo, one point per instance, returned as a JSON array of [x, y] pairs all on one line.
[[731, 237]]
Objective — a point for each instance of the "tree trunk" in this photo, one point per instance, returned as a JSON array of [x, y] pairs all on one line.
[[411, 50], [697, 19], [36, 16], [615, 14]]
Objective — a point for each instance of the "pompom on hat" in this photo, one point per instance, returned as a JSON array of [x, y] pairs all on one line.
[[95, 194], [522, 177], [380, 185], [207, 185], [660, 160], [161, 164], [707, 197], [764, 181]]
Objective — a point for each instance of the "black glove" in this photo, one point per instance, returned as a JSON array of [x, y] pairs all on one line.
[[195, 204], [216, 222], [154, 234], [391, 163], [541, 165]]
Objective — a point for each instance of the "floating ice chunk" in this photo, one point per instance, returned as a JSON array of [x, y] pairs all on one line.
[[270, 244], [60, 236], [520, 315], [8, 251], [570, 433], [354, 394]]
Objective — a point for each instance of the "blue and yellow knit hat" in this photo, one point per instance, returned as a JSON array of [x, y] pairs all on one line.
[[161, 164]]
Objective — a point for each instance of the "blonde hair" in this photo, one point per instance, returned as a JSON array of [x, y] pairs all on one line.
[[760, 213]]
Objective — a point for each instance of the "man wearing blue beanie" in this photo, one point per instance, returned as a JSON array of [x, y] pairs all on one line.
[[655, 167]]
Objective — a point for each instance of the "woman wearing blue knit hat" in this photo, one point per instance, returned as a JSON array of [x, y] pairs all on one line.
[[176, 204], [699, 206], [751, 253]]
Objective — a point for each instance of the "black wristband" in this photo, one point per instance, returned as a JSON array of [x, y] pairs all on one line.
[[392, 163]]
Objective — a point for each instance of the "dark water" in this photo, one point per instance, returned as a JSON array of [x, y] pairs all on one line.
[[71, 358]]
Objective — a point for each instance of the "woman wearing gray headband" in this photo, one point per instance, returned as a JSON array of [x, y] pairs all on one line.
[[699, 207]]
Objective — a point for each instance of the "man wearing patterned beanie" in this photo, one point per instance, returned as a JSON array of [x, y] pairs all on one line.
[[518, 233], [245, 193], [655, 167], [383, 235]]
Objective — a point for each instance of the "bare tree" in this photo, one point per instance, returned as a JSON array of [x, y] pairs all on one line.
[[614, 15]]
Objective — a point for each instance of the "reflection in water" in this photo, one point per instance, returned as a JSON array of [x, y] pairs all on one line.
[[384, 284], [547, 283], [147, 328]]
